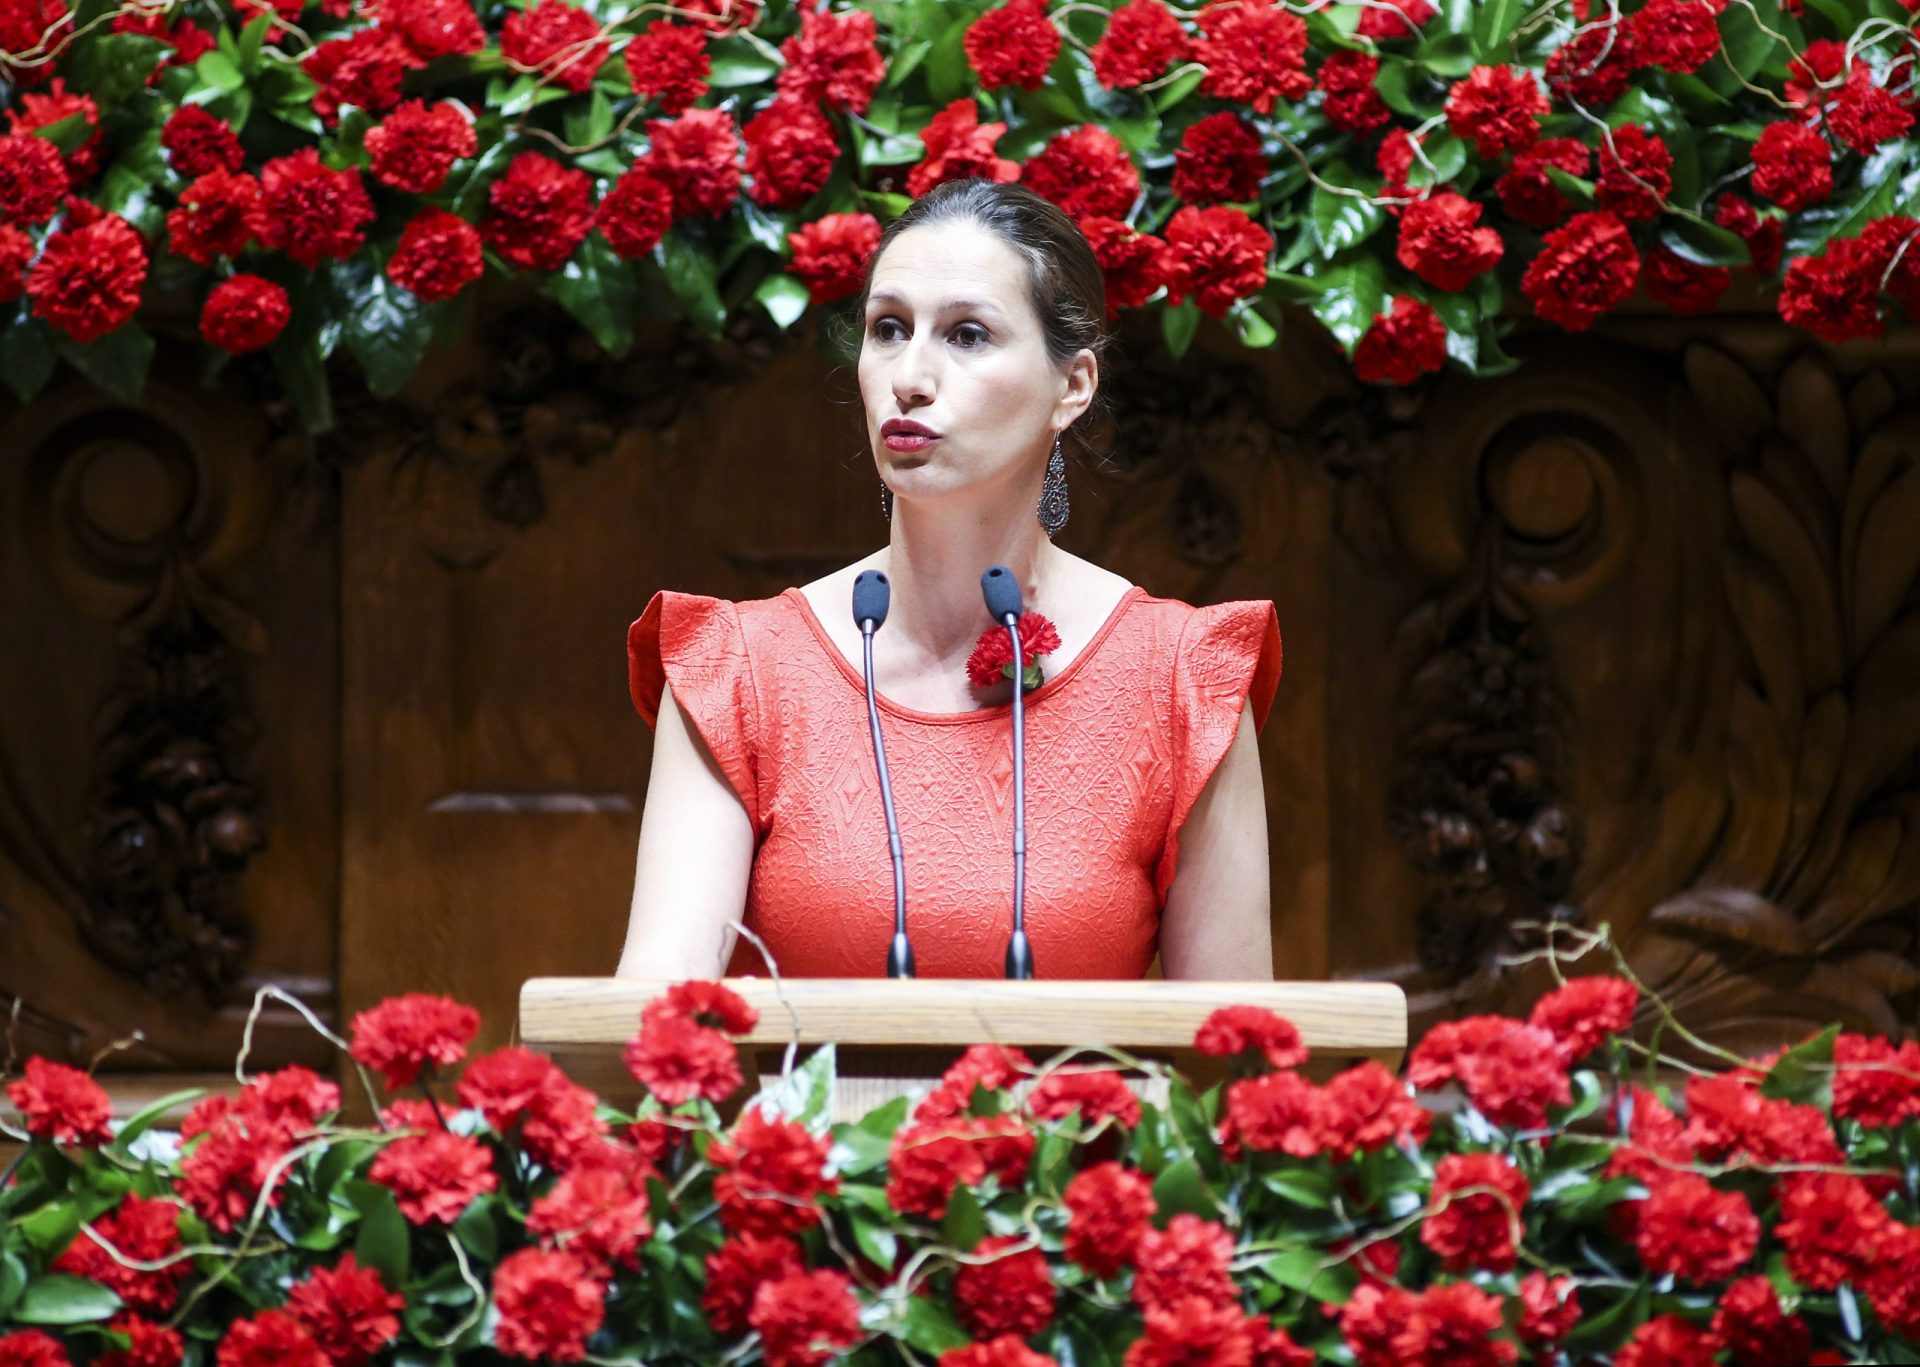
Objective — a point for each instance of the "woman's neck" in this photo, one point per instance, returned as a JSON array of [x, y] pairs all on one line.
[[934, 563]]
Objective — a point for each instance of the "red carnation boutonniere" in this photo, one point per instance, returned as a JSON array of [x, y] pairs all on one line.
[[992, 658]]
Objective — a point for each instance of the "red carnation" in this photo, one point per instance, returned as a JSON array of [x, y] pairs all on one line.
[[1394, 160], [1005, 1351], [59, 1102], [1477, 1213], [197, 142], [1586, 266], [598, 1210], [1394, 19], [927, 1162], [31, 1348], [1372, 1319], [434, 28], [678, 1060], [538, 212], [1756, 1331], [404, 1034], [417, 144], [697, 156], [33, 178], [139, 1230], [1727, 1117], [348, 1310], [1274, 1113], [1084, 170], [1528, 194], [1452, 1326], [804, 1320], [1255, 53], [1187, 1258], [1864, 115], [1366, 1107], [363, 69], [1586, 1011], [1247, 1031], [1890, 247], [1764, 236], [1497, 107], [244, 313], [43, 110], [1835, 296], [1875, 1082], [1682, 285], [1893, 1284], [439, 254], [958, 145], [1669, 1341], [1687, 1228], [1792, 166], [1219, 158], [1193, 1330], [313, 213], [33, 26], [991, 661], [1549, 1310], [16, 256], [1635, 173], [635, 214], [741, 1266], [219, 214], [1510, 1072], [549, 1305], [1218, 255], [830, 254], [148, 1345], [222, 1177], [272, 1338], [1349, 97], [1108, 1209], [87, 283], [1012, 45], [1142, 40], [1009, 1291], [1132, 264], [1402, 344], [1832, 1228], [435, 1176], [669, 63], [995, 1067], [1444, 243], [1677, 35], [563, 43], [1094, 1096], [769, 1175], [791, 150], [833, 60], [1595, 66]]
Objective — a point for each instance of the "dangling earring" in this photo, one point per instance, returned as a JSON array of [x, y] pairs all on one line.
[[1053, 493], [886, 501]]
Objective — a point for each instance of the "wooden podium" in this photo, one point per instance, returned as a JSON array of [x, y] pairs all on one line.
[[890, 1034]]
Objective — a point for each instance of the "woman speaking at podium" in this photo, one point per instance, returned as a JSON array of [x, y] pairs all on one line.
[[982, 323]]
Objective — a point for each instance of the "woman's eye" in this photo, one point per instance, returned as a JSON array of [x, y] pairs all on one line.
[[974, 334]]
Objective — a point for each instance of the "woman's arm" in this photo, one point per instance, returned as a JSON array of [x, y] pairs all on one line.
[[696, 852], [1218, 918]]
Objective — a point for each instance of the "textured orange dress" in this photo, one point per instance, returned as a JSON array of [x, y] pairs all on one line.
[[1120, 742]]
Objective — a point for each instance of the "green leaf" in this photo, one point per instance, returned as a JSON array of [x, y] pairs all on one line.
[[690, 275], [965, 1224], [600, 290], [387, 327], [931, 1327], [1462, 318], [1448, 53], [1611, 1325], [1178, 323], [863, 1146], [948, 77], [1703, 243], [252, 38], [148, 1116], [476, 1230], [1745, 39], [1300, 1269], [875, 1240], [1805, 1072], [1301, 1186], [13, 1281], [114, 67], [59, 1299], [1354, 293], [736, 62], [218, 71], [1177, 90], [117, 362], [1179, 1187], [1343, 220], [904, 61], [67, 134], [383, 1242], [1253, 327], [1493, 24], [1577, 189], [784, 298], [589, 125], [27, 354], [804, 1095]]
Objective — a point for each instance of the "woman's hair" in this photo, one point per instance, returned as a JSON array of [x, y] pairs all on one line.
[[1064, 282]]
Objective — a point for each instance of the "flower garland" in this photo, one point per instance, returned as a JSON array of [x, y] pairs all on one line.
[[992, 657]]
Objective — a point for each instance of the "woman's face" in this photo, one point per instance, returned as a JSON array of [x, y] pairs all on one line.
[[951, 342]]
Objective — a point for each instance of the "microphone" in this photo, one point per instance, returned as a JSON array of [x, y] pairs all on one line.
[[871, 596], [1002, 593]]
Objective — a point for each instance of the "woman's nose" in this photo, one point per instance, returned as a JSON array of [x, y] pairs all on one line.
[[913, 371]]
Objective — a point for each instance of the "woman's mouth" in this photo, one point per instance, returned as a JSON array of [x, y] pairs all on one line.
[[908, 441]]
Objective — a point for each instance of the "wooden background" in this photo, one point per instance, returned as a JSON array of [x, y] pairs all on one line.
[[1627, 636]]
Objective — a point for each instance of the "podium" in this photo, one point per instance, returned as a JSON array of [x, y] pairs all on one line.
[[891, 1034]]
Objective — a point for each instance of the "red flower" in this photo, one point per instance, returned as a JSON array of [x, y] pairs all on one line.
[[219, 214], [222, 1176], [1586, 266], [439, 254], [1477, 1215], [435, 1176], [1444, 243], [1792, 166], [1835, 295], [1250, 1032], [926, 1162], [769, 1175], [1084, 170], [404, 1034], [1676, 35], [1584, 1012], [140, 1230], [1511, 1072], [1890, 249], [1764, 236], [833, 60], [1010, 1292], [994, 1067], [1864, 115], [1108, 1209], [1498, 108], [1528, 194], [678, 1060], [1594, 67], [1668, 1341], [992, 661], [434, 28], [1274, 1113], [33, 178], [1142, 40], [1687, 1228], [1893, 1285], [1394, 19], [1218, 158], [1403, 344], [538, 212], [1727, 1118], [1366, 1107], [1193, 1330], [1832, 1228], [348, 1311], [1349, 97], [1874, 1082], [805, 1319], [669, 63], [1187, 1258], [549, 1305], [412, 150], [197, 142], [1133, 264], [62, 1103], [1012, 45], [1372, 1319], [635, 214], [830, 254], [42, 26], [40, 111], [1093, 1096], [562, 42], [1394, 160], [313, 213], [31, 1348], [1757, 1333], [1635, 156], [364, 69], [741, 1266], [958, 145], [697, 156], [87, 283], [272, 1338], [244, 313], [791, 150], [1549, 1310], [1452, 1326], [148, 1345], [597, 1210], [1005, 1351], [1682, 285], [16, 255], [1254, 52]]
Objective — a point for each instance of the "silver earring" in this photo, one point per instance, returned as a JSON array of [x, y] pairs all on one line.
[[1053, 493], [886, 501]]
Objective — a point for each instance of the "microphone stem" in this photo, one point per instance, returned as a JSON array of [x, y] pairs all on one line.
[[1019, 952], [900, 957]]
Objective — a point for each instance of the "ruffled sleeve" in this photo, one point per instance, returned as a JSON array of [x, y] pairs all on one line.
[[1228, 654], [696, 644]]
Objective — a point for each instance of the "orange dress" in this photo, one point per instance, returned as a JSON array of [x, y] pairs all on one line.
[[1119, 744]]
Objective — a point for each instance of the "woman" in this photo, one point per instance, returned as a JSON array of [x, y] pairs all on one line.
[[982, 327]]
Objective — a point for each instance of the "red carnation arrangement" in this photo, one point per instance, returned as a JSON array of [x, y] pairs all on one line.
[[1406, 342], [669, 64], [562, 43], [244, 313], [1133, 264], [407, 1034], [1218, 255], [538, 212], [992, 657], [416, 145], [1219, 159], [1012, 45], [1142, 39], [312, 212], [834, 60], [958, 145], [1085, 171], [438, 255], [88, 279], [636, 213], [830, 255], [1255, 53], [791, 150]]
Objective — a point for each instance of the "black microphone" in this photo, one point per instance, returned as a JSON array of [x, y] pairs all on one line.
[[1002, 592], [871, 595]]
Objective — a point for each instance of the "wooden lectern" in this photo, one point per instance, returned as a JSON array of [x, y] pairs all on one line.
[[891, 1034]]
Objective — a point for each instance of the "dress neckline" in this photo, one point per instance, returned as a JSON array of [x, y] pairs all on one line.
[[886, 704]]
